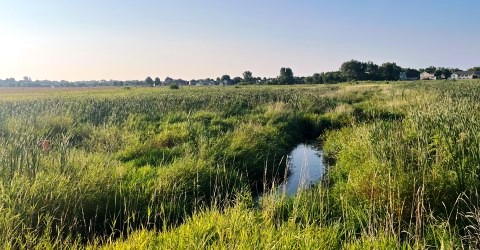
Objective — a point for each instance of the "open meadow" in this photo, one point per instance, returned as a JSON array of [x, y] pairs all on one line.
[[196, 167]]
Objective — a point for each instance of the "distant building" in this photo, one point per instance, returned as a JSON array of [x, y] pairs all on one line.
[[461, 75], [427, 76]]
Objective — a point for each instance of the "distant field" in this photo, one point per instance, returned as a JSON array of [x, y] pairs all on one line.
[[181, 169], [32, 92]]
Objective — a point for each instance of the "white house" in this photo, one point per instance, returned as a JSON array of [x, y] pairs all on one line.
[[427, 76], [460, 75]]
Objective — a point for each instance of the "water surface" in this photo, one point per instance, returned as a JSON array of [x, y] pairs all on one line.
[[305, 168]]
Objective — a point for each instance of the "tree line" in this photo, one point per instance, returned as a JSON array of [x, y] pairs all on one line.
[[352, 70]]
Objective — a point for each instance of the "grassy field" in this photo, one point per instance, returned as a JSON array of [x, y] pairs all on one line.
[[149, 168]]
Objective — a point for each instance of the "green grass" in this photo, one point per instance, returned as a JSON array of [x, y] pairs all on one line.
[[161, 168]]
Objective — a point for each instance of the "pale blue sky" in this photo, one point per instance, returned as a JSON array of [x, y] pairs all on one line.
[[115, 39]]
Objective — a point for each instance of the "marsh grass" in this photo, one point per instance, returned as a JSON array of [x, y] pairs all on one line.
[[179, 169]]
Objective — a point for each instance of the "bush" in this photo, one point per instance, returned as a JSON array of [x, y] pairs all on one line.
[[173, 86]]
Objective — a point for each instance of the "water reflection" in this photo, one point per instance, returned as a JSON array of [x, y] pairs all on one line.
[[305, 168]]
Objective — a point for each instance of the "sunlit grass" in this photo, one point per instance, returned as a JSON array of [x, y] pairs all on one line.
[[161, 168]]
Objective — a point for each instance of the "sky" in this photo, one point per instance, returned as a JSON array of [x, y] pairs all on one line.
[[194, 39]]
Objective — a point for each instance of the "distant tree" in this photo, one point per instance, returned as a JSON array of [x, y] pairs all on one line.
[[168, 80], [430, 70], [390, 71], [372, 72], [218, 79], [173, 86], [225, 78], [453, 70], [286, 76], [236, 80], [317, 78], [158, 82], [273, 81], [438, 73], [299, 79], [474, 69], [307, 80], [149, 81], [446, 72], [353, 70], [248, 77], [412, 72], [333, 77]]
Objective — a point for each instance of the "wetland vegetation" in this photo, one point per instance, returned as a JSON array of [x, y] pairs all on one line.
[[144, 168]]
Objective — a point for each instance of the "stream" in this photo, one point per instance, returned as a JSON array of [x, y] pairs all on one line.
[[305, 168]]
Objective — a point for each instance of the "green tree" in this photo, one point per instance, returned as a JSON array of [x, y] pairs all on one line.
[[158, 82], [236, 80], [247, 77], [333, 77], [412, 72], [474, 69], [453, 70], [390, 71], [317, 78], [286, 76], [168, 80], [446, 72], [307, 80], [225, 78], [149, 81], [429, 70], [372, 72], [353, 70]]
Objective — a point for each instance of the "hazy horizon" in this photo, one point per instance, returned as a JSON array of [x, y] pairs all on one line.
[[122, 40]]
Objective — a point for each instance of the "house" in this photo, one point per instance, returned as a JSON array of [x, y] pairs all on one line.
[[461, 75], [427, 76]]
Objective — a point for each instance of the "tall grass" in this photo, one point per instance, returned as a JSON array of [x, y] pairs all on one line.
[[179, 169]]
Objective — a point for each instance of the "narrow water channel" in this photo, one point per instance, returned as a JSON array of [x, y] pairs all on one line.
[[305, 168]]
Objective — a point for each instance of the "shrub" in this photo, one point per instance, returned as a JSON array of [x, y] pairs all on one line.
[[173, 86]]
